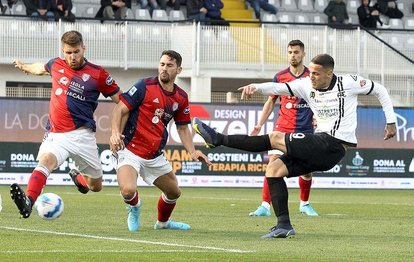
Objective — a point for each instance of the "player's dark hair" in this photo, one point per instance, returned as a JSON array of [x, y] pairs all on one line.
[[297, 42], [324, 60], [173, 54], [72, 38]]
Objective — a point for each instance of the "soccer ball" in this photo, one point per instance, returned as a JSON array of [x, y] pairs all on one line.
[[49, 206]]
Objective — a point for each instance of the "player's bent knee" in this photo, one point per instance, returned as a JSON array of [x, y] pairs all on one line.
[[175, 194], [276, 136]]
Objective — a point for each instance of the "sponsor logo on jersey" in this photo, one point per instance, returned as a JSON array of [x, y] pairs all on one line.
[[61, 70], [354, 77], [132, 90], [109, 80], [156, 100], [86, 77], [58, 91], [64, 80]]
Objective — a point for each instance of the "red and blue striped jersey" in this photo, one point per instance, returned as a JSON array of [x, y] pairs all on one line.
[[75, 94], [151, 109], [294, 113]]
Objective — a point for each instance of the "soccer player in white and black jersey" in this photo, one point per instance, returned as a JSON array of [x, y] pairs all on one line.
[[333, 100]]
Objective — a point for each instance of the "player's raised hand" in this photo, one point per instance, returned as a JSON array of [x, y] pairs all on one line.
[[247, 91], [390, 131], [18, 64]]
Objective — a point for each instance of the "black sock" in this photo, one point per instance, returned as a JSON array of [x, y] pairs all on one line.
[[247, 143], [279, 195]]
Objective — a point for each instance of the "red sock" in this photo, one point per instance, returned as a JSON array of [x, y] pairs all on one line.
[[304, 188], [81, 180], [36, 183], [165, 208], [266, 192], [133, 201]]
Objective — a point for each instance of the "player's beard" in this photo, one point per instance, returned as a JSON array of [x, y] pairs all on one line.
[[165, 78], [75, 64]]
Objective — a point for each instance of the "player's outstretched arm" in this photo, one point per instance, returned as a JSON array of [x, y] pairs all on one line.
[[34, 69]]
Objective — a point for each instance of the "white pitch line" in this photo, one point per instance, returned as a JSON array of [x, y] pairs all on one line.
[[127, 240], [100, 251]]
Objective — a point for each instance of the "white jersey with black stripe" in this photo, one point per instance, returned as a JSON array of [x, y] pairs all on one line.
[[335, 108]]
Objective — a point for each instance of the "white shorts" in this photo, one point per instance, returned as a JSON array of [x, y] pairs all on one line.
[[80, 145], [275, 152], [148, 169]]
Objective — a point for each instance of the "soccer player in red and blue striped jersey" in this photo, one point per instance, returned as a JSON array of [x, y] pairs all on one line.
[[150, 104], [295, 116], [76, 87]]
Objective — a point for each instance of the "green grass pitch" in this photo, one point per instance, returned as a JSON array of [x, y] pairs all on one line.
[[354, 225]]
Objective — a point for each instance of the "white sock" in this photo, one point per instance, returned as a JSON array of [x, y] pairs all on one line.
[[266, 205], [303, 203], [162, 224]]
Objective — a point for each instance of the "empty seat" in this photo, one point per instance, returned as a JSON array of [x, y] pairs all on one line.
[[320, 5], [353, 19], [275, 3], [320, 19], [305, 5], [142, 14], [289, 5], [352, 6], [285, 18], [302, 18], [409, 23], [19, 9], [89, 11], [176, 15], [269, 17], [396, 23], [159, 15]]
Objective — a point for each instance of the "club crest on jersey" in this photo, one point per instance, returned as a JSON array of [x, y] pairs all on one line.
[[312, 94], [132, 90], [175, 106], [187, 110], [109, 80], [362, 83], [64, 80], [86, 77]]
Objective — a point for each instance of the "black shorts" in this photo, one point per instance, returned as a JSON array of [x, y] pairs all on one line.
[[311, 152]]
